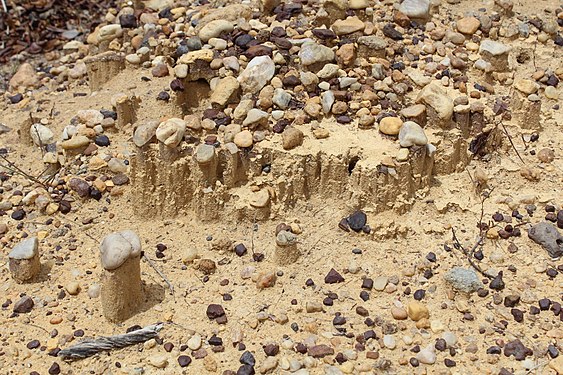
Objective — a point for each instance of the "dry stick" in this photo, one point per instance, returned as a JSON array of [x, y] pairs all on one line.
[[479, 239], [5, 7], [151, 263], [15, 169], [512, 143], [89, 347]]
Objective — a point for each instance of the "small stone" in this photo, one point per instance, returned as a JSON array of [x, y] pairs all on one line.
[[547, 235], [320, 351], [412, 134], [41, 135], [526, 86], [23, 305], [161, 70], [184, 360], [436, 97], [81, 187], [257, 74], [73, 288], [427, 356], [117, 247], [380, 283], [399, 313], [76, 142], [158, 361], [243, 139], [312, 53], [415, 8], [417, 311], [215, 311], [390, 125], [463, 279], [333, 277], [215, 28], [357, 221], [291, 138], [25, 77], [468, 25], [194, 343], [171, 132], [347, 26]]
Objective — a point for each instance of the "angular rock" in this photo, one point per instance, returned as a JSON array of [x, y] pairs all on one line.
[[436, 97], [320, 351], [23, 305], [348, 26], [412, 134], [463, 279], [547, 235], [145, 133], [225, 91], [257, 74], [41, 135], [333, 277], [24, 78], [312, 53], [171, 132]]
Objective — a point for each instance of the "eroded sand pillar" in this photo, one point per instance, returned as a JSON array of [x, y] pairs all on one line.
[[24, 260], [121, 291], [286, 248]]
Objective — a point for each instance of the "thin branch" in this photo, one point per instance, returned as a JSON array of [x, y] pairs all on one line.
[[468, 255], [512, 143], [15, 169], [151, 263]]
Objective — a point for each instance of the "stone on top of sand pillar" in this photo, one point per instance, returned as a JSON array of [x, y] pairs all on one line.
[[121, 292], [24, 260], [116, 248]]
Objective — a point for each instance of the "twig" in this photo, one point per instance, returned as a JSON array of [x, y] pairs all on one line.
[[89, 347], [4, 6], [468, 255], [15, 169], [512, 143], [254, 229], [151, 263]]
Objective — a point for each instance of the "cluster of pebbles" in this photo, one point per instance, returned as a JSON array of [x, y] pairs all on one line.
[[408, 72]]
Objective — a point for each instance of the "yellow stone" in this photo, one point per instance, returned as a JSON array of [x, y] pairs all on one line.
[[417, 311], [390, 125]]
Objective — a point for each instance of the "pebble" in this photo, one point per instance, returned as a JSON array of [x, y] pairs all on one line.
[[291, 138], [117, 247], [417, 311], [171, 132], [312, 53], [23, 305], [390, 125], [468, 25], [257, 74], [26, 249], [243, 139], [463, 279], [158, 361], [73, 288]]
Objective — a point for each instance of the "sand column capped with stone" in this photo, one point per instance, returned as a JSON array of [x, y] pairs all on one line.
[[121, 276], [24, 260]]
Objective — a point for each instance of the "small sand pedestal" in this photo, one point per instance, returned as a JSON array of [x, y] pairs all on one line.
[[24, 260], [286, 248], [121, 291]]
